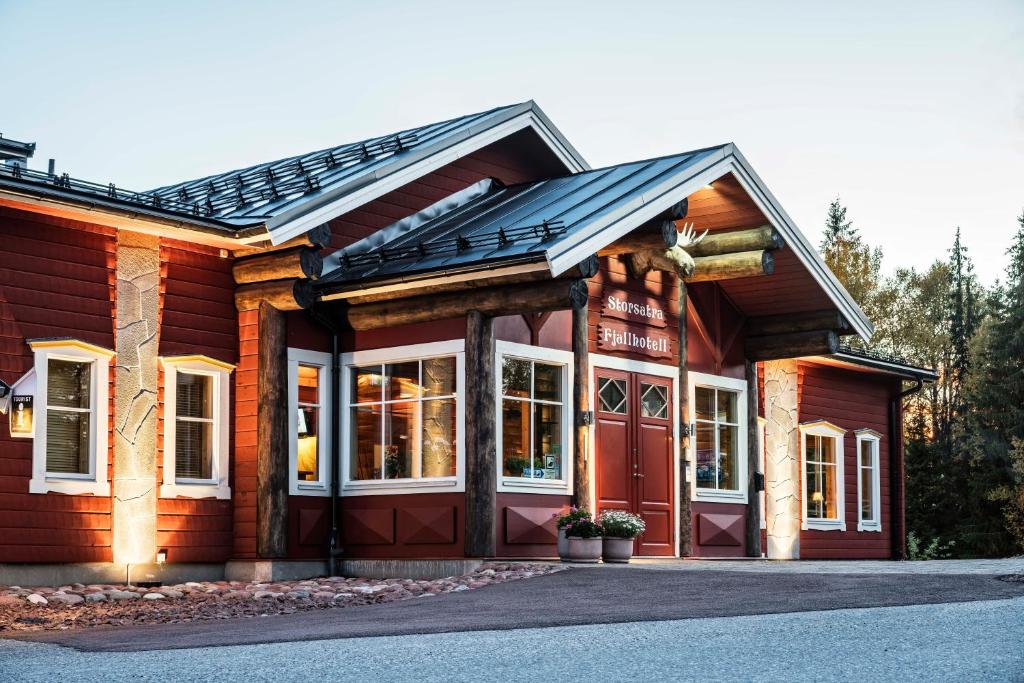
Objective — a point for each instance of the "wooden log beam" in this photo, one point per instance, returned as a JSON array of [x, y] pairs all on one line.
[[272, 434], [493, 301], [317, 238], [786, 323], [793, 345], [753, 517], [732, 266], [481, 443], [284, 295], [752, 239], [302, 262], [685, 513], [661, 234], [581, 401]]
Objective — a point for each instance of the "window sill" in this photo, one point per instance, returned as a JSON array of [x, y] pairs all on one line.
[[824, 525], [711, 496], [869, 526], [402, 486], [71, 487], [308, 489], [524, 485], [195, 491]]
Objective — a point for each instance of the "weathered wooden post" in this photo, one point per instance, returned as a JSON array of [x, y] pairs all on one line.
[[581, 401], [753, 530], [272, 435], [481, 445], [685, 515]]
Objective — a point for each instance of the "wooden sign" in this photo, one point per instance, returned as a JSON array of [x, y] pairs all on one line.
[[616, 336], [633, 307]]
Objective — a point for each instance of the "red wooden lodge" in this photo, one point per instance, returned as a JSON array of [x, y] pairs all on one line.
[[405, 354]]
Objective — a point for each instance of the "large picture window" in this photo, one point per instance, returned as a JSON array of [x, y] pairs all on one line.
[[869, 514], [718, 441], [197, 410], [533, 417], [822, 450], [402, 418], [70, 382]]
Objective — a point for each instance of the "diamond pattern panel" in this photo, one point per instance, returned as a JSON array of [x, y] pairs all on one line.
[[720, 529], [528, 525], [426, 525]]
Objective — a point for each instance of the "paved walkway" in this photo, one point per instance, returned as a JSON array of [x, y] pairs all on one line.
[[975, 641], [1013, 565]]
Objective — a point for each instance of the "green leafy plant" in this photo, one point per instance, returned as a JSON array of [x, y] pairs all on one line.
[[917, 549], [584, 528], [573, 515], [621, 524]]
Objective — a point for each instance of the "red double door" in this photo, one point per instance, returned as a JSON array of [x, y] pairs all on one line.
[[633, 447]]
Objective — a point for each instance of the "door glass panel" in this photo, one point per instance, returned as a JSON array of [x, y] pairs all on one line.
[[653, 401], [612, 395]]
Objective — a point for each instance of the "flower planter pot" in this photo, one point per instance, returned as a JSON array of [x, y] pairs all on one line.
[[563, 545], [585, 549], [617, 549]]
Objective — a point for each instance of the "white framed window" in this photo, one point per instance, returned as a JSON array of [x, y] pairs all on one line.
[[197, 414], [718, 447], [822, 454], [70, 382], [309, 435], [534, 418], [403, 414], [869, 494]]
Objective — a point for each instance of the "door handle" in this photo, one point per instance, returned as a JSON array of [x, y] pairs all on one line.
[[637, 474]]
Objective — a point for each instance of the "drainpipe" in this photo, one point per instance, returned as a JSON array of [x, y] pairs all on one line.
[[334, 549], [897, 472]]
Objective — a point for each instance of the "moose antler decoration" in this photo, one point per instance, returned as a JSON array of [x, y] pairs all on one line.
[[674, 258]]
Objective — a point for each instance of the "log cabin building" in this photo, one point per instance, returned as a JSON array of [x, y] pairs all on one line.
[[405, 354]]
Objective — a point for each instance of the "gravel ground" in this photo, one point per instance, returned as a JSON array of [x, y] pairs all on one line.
[[78, 606], [974, 641]]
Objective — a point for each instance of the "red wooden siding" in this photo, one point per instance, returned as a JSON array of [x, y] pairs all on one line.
[[56, 280], [198, 316], [423, 525], [850, 400], [243, 469]]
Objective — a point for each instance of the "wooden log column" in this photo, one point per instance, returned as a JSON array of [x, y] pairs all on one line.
[[581, 401], [481, 444], [753, 529], [272, 435], [685, 513]]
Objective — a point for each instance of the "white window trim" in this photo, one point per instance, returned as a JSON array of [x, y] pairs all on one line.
[[218, 486], [456, 484], [555, 356], [321, 360], [700, 379], [96, 482], [826, 430], [872, 437]]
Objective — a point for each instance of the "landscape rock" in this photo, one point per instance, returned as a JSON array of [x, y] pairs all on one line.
[[37, 599]]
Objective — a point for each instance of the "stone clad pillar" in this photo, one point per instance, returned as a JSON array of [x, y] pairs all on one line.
[[135, 399], [782, 459]]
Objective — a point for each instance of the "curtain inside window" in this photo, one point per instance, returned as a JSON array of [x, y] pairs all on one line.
[[193, 437], [68, 388]]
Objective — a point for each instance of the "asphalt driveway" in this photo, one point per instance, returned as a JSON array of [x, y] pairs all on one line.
[[574, 597]]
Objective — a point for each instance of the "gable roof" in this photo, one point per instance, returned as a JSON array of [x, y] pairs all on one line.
[[564, 220], [290, 196]]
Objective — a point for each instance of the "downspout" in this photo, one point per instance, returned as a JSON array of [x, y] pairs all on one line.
[[897, 470], [334, 549]]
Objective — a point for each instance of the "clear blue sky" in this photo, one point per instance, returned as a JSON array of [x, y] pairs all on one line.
[[913, 112]]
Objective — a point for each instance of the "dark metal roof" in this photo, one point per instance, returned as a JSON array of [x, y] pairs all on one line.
[[251, 195], [12, 149], [490, 223], [886, 362]]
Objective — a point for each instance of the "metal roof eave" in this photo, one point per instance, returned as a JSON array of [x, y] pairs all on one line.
[[419, 162], [726, 159], [889, 367]]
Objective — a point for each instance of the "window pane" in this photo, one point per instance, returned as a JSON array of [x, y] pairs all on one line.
[[193, 447], [827, 446], [439, 437], [68, 383], [67, 442], [366, 384], [653, 400], [366, 442], [612, 395], [308, 460], [547, 441], [706, 474], [728, 457], [867, 495], [515, 377], [821, 491], [831, 500], [400, 435], [866, 459], [547, 382], [705, 399], [195, 395], [515, 437], [403, 380], [811, 447], [439, 376], [727, 406], [309, 384]]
